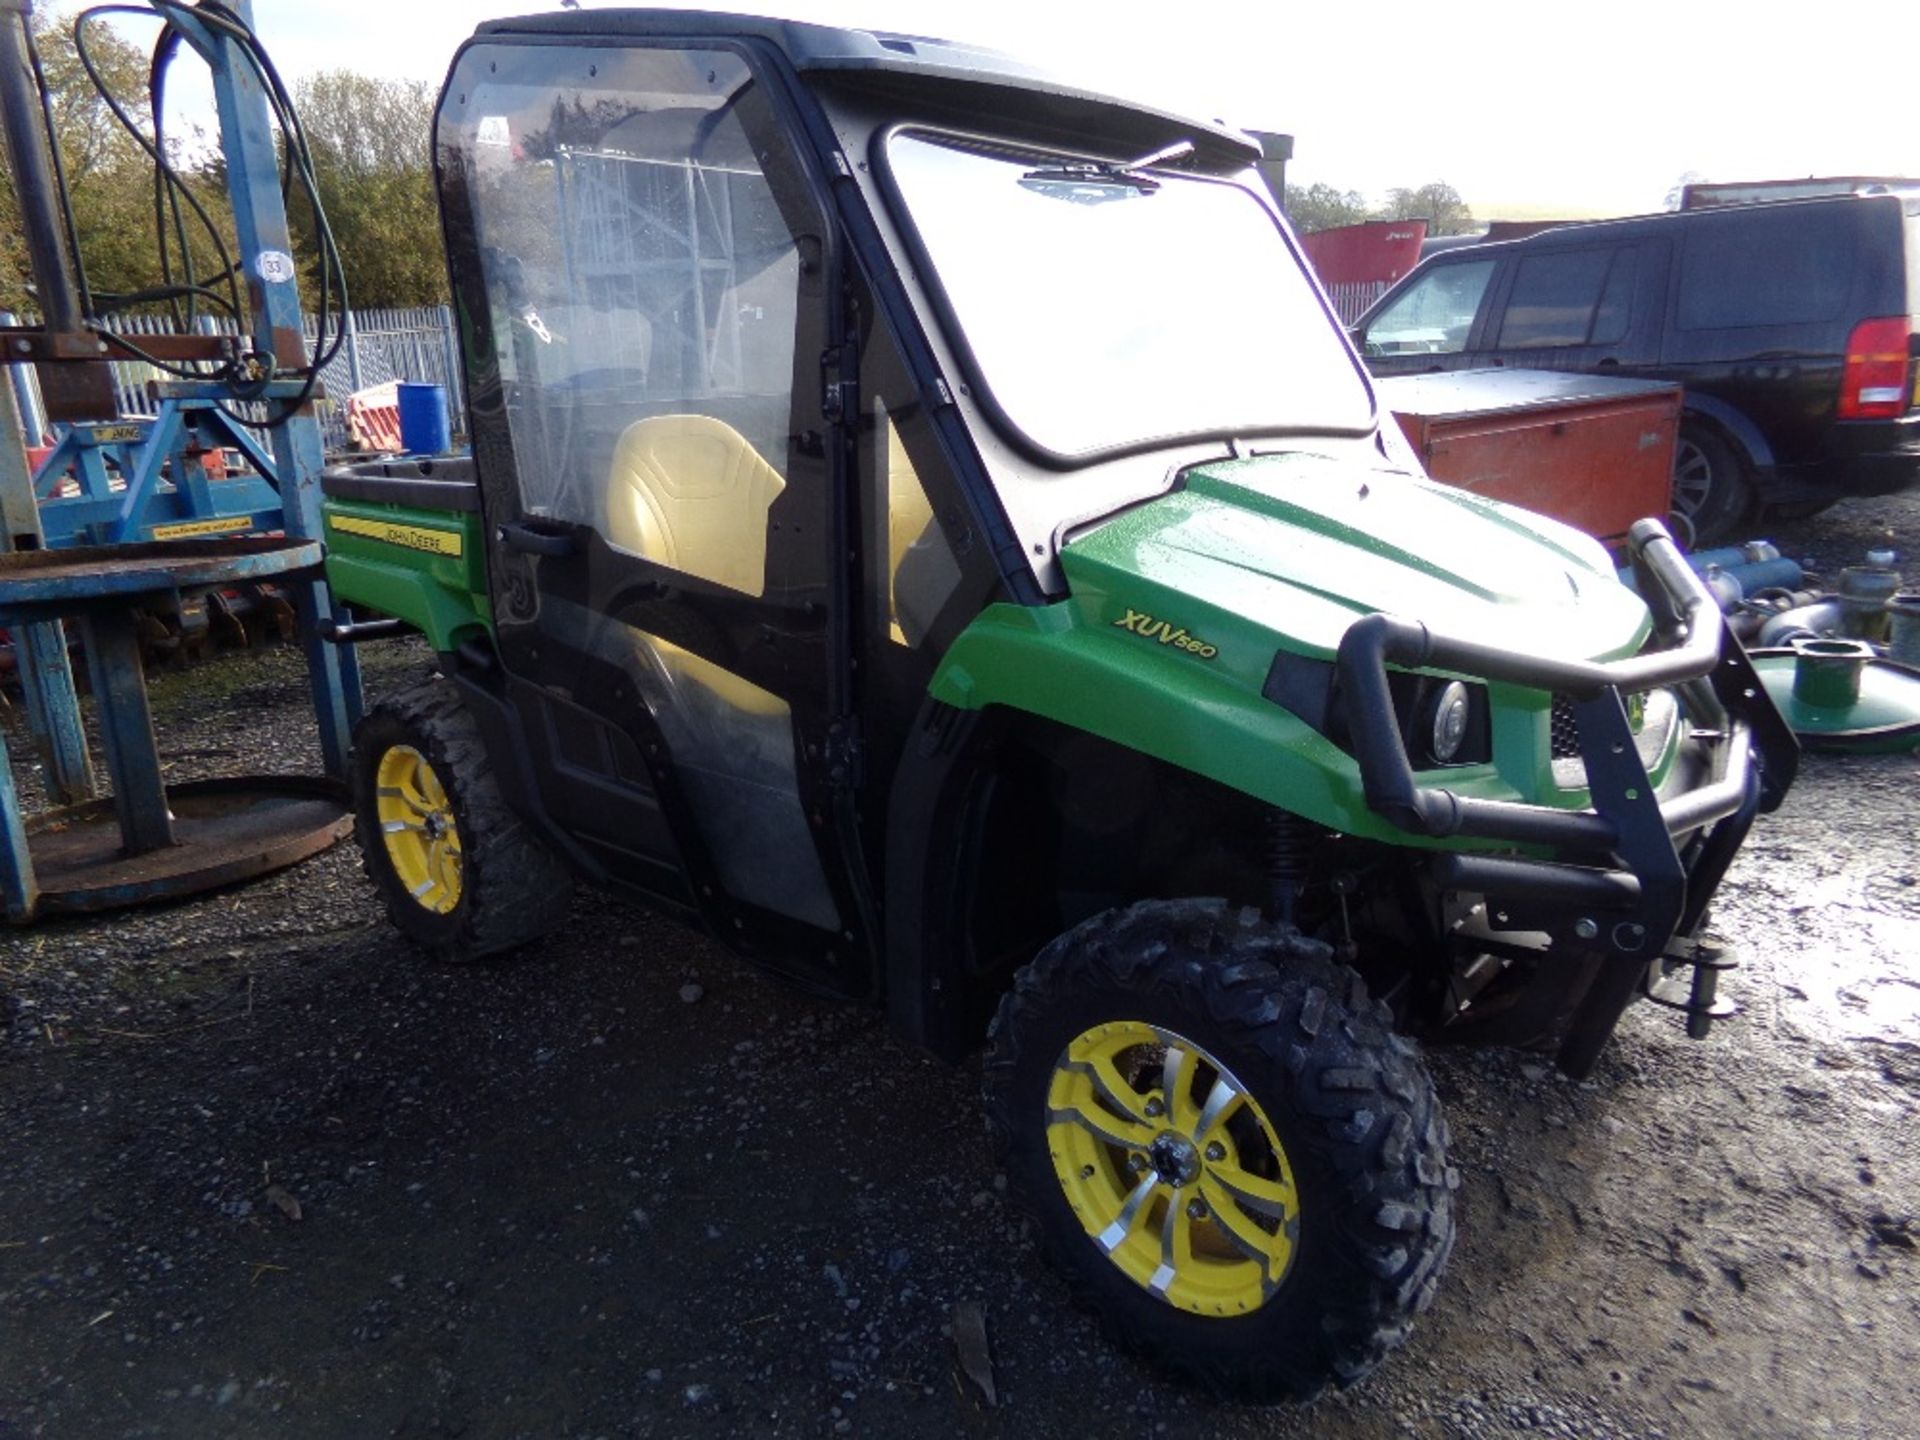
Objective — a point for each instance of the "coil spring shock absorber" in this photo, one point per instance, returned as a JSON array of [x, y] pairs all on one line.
[[1290, 845]]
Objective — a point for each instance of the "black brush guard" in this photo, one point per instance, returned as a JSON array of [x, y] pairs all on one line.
[[1630, 878]]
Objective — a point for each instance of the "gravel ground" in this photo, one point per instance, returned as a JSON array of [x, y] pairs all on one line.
[[268, 1175]]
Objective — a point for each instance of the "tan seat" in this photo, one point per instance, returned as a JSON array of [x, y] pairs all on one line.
[[908, 515], [735, 691], [689, 492]]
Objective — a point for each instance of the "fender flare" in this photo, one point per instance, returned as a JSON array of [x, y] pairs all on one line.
[[1735, 426], [932, 1000]]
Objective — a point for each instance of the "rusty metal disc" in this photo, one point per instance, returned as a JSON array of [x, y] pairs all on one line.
[[227, 830]]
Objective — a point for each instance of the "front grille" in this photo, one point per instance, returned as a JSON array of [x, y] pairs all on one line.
[[1566, 729], [1653, 718]]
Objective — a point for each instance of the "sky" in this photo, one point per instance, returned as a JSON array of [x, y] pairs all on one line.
[[1527, 109]]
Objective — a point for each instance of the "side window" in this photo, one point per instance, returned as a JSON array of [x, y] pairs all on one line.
[[1553, 300], [1434, 315], [644, 289], [919, 565], [1791, 267], [1616, 301]]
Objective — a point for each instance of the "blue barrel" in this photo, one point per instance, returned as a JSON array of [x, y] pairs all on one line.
[[424, 429]]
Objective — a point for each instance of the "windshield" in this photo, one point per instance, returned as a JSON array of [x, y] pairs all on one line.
[[1106, 311]]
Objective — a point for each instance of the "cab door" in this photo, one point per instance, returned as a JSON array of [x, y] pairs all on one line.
[[1434, 322], [646, 311]]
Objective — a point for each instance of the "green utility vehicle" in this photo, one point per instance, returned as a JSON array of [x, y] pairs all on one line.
[[925, 524]]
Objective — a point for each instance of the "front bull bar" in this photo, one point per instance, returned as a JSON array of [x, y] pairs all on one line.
[[1617, 883]]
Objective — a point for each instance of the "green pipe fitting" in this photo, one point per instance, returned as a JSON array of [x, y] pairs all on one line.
[[1827, 672]]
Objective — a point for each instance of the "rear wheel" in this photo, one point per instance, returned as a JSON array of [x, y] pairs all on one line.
[[1712, 490], [460, 874], [1235, 1162]]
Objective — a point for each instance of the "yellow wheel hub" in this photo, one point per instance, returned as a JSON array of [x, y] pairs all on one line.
[[416, 822], [1172, 1167]]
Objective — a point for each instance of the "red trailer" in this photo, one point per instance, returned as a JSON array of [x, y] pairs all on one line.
[[1357, 263]]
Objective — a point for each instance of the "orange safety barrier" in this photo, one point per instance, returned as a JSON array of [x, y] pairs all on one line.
[[373, 418]]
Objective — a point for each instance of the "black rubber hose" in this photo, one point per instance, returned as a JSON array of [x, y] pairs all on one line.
[[158, 157]]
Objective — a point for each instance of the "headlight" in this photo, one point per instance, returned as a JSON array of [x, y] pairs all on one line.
[[1441, 722], [1449, 714]]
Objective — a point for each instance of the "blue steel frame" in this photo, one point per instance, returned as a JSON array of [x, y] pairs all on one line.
[[260, 225], [46, 674], [96, 589], [167, 492], [260, 222]]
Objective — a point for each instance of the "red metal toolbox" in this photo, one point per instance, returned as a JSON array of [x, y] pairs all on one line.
[[1594, 452]]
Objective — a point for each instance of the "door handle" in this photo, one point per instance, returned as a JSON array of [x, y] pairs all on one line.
[[530, 540]]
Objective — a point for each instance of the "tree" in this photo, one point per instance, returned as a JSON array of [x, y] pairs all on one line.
[[1321, 207], [370, 140], [108, 174], [1436, 202], [1678, 190]]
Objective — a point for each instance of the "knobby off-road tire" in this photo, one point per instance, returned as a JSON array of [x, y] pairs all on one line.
[[1348, 1102], [459, 872]]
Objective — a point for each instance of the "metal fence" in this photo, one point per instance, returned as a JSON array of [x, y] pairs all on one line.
[[381, 345], [1351, 298]]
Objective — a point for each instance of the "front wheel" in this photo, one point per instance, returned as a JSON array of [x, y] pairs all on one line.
[[1233, 1159], [461, 874]]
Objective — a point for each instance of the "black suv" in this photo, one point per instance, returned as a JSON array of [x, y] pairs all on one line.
[[1790, 323]]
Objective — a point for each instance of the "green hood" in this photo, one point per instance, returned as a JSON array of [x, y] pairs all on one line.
[[1298, 546], [1179, 605]]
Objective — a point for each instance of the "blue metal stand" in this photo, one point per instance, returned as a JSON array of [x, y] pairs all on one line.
[[40, 650], [126, 729], [166, 493], [154, 841], [158, 843], [260, 224]]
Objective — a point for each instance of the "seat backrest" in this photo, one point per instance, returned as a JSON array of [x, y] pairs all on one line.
[[909, 517], [908, 511], [689, 492]]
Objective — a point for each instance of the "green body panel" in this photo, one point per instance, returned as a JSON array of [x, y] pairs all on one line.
[[426, 567], [1179, 606]]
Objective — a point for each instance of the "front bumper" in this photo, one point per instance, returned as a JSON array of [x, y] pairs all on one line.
[[1631, 876], [1873, 457]]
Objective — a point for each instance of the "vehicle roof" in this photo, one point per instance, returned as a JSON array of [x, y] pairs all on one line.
[[1630, 224], [942, 70]]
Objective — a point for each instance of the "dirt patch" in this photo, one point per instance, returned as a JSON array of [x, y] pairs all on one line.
[[268, 1175]]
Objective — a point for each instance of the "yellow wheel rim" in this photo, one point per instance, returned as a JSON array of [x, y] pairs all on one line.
[[416, 822], [1172, 1168]]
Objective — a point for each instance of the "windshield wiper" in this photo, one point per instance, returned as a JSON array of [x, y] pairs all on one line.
[[1109, 172]]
